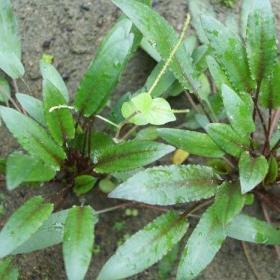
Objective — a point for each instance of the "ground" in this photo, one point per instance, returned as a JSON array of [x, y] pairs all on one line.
[[71, 30]]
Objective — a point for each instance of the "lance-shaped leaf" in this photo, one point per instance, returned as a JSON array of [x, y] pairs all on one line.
[[227, 139], [33, 106], [252, 171], [106, 69], [10, 46], [270, 88], [163, 37], [238, 111], [49, 234], [60, 121], [250, 229], [78, 241], [129, 155], [7, 270], [32, 137], [208, 236], [23, 223], [195, 143], [23, 168], [146, 247], [5, 90], [168, 185], [229, 52]]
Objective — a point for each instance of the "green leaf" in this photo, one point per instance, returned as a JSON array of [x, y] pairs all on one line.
[[227, 139], [23, 168], [78, 241], [238, 111], [146, 247], [10, 46], [60, 122], [23, 223], [129, 155], [32, 137], [84, 184], [168, 185], [33, 106], [229, 52], [49, 234], [208, 236], [7, 270], [252, 171], [5, 90], [106, 185], [105, 70], [249, 229], [273, 172], [148, 133], [163, 37], [195, 143]]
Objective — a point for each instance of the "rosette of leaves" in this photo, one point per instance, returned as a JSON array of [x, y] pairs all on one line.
[[235, 140]]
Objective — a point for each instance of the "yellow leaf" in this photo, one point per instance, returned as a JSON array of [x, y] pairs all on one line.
[[179, 156]]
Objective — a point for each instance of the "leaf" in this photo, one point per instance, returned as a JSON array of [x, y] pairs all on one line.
[[23, 223], [60, 122], [148, 133], [207, 238], [33, 138], [49, 234], [204, 91], [227, 139], [129, 155], [169, 185], [195, 143], [78, 241], [146, 247], [272, 172], [83, 184], [106, 185], [33, 106], [249, 229], [23, 168], [7, 270], [252, 171], [5, 90], [229, 52], [238, 111], [163, 37], [105, 70], [179, 156], [10, 46]]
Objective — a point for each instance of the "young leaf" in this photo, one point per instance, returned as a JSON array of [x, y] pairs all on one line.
[[49, 234], [106, 69], [23, 223], [208, 236], [195, 143], [32, 137], [84, 184], [7, 270], [78, 241], [163, 37], [229, 52], [273, 171], [238, 112], [129, 155], [33, 106], [168, 185], [10, 46], [146, 247], [60, 122], [249, 229], [227, 139], [5, 90], [252, 171], [23, 168]]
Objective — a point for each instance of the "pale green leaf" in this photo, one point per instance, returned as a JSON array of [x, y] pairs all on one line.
[[5, 90], [7, 270], [11, 64]]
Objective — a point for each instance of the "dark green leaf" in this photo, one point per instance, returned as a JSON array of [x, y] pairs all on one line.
[[84, 184], [32, 137], [100, 140], [106, 69], [23, 223], [146, 247], [196, 143], [7, 270], [129, 155], [5, 90], [78, 241], [249, 229], [168, 185], [252, 171]]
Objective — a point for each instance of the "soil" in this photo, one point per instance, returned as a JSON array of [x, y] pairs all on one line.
[[71, 30]]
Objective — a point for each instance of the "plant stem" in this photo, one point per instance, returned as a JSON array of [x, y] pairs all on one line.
[[107, 121]]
